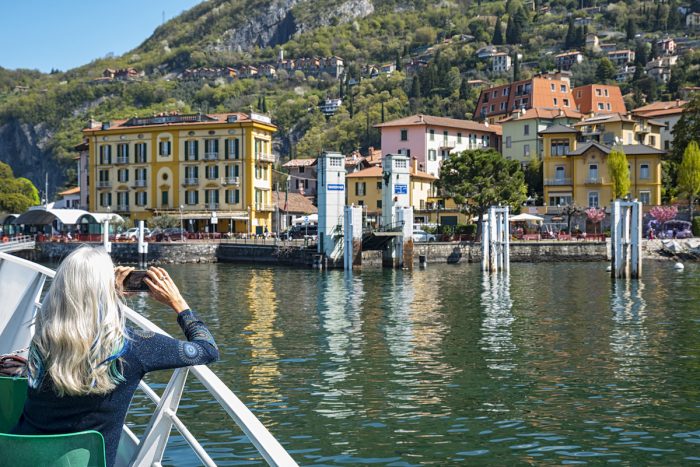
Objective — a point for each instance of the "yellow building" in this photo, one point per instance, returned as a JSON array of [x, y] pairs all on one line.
[[364, 188], [575, 171], [616, 128], [198, 167]]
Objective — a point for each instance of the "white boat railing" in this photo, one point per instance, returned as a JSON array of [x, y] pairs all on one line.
[[24, 297]]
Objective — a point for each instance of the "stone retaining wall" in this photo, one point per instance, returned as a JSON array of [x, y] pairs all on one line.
[[519, 252]]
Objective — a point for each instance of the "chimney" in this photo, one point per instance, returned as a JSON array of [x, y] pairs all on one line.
[[420, 118], [414, 164]]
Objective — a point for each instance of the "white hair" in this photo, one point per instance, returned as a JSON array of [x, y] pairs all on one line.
[[80, 329]]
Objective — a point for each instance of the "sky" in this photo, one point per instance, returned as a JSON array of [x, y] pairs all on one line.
[[64, 34]]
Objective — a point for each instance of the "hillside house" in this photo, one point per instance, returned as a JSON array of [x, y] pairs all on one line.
[[621, 57]]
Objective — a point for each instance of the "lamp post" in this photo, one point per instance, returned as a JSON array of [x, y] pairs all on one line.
[[182, 230]]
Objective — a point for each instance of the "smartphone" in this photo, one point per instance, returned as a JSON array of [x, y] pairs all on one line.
[[134, 282]]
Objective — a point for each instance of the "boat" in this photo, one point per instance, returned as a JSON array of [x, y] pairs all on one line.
[[21, 286]]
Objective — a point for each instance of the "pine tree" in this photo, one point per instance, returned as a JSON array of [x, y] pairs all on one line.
[[398, 61], [497, 33], [516, 66], [605, 71], [570, 39], [640, 54], [464, 89], [631, 29], [514, 31], [674, 18], [415, 87]]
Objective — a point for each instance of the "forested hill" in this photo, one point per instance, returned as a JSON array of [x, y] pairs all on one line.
[[400, 57]]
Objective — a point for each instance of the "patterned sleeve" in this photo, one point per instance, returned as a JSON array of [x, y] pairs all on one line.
[[160, 352]]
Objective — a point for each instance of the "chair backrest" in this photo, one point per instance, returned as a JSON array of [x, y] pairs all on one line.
[[13, 392], [84, 449]]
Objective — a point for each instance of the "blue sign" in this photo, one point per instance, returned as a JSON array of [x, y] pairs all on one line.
[[400, 189], [336, 187]]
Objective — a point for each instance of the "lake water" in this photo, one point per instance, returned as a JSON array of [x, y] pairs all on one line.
[[555, 365]]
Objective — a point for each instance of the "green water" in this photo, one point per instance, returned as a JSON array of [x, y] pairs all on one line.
[[557, 365]]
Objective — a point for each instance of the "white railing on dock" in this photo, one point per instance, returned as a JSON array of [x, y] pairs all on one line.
[[22, 242], [17, 311]]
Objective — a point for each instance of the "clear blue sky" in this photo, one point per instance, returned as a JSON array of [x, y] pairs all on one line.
[[64, 34]]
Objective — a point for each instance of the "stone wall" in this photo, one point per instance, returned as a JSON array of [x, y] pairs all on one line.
[[519, 252], [158, 253]]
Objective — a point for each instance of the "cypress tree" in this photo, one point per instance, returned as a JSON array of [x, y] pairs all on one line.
[[570, 38], [630, 29], [497, 33], [398, 61], [415, 87], [516, 66]]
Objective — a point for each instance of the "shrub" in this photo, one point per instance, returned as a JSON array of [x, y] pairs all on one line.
[[696, 226]]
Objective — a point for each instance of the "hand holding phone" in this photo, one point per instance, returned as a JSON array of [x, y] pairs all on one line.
[[134, 282]]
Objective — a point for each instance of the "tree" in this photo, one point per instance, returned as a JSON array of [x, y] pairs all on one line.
[[415, 87], [164, 222], [640, 55], [570, 39], [515, 25], [571, 211], [533, 177], [398, 61], [689, 175], [480, 178], [605, 71], [595, 216], [663, 214], [516, 66], [16, 194], [497, 33], [631, 29], [619, 173]]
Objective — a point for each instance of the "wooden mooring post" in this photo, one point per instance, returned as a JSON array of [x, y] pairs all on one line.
[[495, 240], [626, 239]]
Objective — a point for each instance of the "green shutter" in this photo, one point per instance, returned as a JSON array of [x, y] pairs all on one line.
[[236, 154], [216, 171], [226, 148]]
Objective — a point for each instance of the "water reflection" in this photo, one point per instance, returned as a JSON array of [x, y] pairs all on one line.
[[497, 335], [259, 334], [628, 338], [340, 302]]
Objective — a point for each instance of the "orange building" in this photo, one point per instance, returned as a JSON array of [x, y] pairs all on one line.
[[549, 91], [599, 98]]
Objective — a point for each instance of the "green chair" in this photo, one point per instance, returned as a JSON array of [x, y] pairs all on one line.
[[84, 449], [13, 392]]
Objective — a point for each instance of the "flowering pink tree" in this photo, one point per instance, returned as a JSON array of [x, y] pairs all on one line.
[[596, 216], [662, 214]]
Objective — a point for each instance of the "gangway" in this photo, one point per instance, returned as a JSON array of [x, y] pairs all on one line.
[[23, 242], [21, 286], [377, 239]]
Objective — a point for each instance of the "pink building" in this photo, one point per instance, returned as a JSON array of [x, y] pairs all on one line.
[[432, 139]]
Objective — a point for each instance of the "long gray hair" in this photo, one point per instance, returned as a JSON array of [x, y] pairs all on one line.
[[80, 329]]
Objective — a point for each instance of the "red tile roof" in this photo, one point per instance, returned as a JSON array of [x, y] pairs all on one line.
[[296, 203], [376, 171], [425, 120], [300, 163]]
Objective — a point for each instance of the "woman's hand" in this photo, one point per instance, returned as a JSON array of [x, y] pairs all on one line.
[[120, 273], [164, 290]]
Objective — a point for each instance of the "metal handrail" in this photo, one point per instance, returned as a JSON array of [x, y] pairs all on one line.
[[268, 447]]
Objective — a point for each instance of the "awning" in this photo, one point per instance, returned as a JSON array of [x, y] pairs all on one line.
[[7, 218], [524, 217], [99, 218], [40, 215]]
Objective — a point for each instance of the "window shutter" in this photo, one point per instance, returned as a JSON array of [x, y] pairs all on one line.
[[236, 154], [216, 171], [206, 196], [196, 197], [196, 150], [216, 196], [227, 143]]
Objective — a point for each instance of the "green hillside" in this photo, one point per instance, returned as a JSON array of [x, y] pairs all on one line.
[[433, 45]]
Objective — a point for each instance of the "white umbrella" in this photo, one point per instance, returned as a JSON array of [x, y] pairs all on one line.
[[524, 217]]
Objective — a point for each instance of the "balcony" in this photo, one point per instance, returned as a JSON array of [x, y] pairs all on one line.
[[264, 207], [104, 184], [262, 157], [212, 206], [139, 183], [231, 181], [594, 180], [141, 159], [191, 181], [211, 156], [122, 160], [123, 207], [557, 181]]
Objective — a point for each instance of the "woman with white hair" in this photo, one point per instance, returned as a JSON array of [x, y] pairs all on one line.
[[85, 363]]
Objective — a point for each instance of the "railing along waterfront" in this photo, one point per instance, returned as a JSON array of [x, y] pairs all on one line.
[[150, 448]]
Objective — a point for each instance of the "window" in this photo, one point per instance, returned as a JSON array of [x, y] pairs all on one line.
[[296, 183], [526, 150], [404, 135], [559, 148], [105, 199], [495, 94], [667, 145], [233, 196], [336, 162], [652, 140], [123, 153], [212, 172], [432, 155], [508, 141], [607, 105], [191, 150], [556, 101], [211, 198], [231, 170], [122, 201], [191, 197], [141, 177], [141, 156], [645, 197], [379, 204], [459, 138], [505, 91], [141, 198], [360, 189], [360, 203], [578, 94], [605, 91], [232, 149], [598, 92], [191, 175], [445, 134], [593, 200], [164, 148], [559, 174], [379, 186], [562, 87], [401, 163], [566, 102], [644, 171], [600, 106], [503, 105], [123, 175], [301, 170], [552, 87], [105, 154], [432, 132], [526, 129], [491, 108], [104, 178], [593, 173], [164, 198]]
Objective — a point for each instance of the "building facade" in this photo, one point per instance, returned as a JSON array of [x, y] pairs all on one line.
[[212, 171], [302, 176], [666, 113], [552, 91], [599, 98], [616, 128], [521, 139], [432, 139], [576, 171]]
